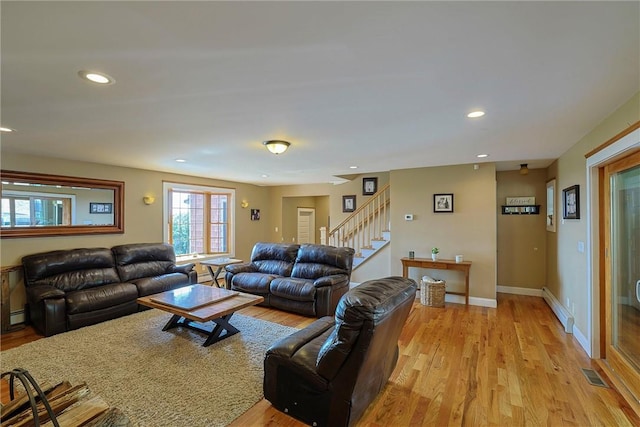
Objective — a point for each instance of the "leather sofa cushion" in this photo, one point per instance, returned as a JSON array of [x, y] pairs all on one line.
[[138, 260], [315, 261], [86, 300], [274, 258], [166, 282], [254, 283], [70, 270], [293, 289]]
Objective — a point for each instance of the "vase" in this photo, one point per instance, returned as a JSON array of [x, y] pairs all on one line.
[[434, 257]]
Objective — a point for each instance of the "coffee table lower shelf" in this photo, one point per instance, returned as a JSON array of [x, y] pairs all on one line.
[[214, 334]]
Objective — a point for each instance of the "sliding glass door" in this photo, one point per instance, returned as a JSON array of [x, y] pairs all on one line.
[[622, 267]]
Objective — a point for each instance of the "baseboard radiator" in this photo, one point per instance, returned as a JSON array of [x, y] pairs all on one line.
[[558, 309]]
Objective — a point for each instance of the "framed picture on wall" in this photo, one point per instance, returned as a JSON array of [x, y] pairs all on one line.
[[571, 202], [369, 186], [443, 203], [255, 214], [100, 208], [348, 203]]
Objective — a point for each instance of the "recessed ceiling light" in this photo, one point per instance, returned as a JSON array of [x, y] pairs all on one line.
[[264, 175], [353, 167], [95, 77], [475, 114], [180, 160], [482, 156], [4, 129]]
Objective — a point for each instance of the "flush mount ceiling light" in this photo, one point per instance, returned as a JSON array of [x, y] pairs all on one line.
[[524, 169], [4, 129], [475, 114], [181, 160], [482, 156], [276, 146], [95, 77]]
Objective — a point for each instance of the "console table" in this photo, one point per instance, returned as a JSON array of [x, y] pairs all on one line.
[[441, 264]]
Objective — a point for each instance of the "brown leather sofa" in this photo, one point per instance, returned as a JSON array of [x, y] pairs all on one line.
[[328, 373], [306, 279], [69, 289]]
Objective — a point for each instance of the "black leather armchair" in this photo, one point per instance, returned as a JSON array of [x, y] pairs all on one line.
[[328, 373]]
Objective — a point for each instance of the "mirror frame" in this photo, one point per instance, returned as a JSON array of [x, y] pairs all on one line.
[[68, 230]]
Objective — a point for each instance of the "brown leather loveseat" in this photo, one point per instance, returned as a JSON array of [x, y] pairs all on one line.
[[69, 289], [307, 279], [328, 373]]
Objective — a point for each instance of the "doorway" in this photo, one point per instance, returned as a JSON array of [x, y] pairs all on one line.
[[306, 225], [620, 288]]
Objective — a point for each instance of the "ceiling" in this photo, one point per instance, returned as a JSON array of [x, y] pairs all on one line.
[[378, 85]]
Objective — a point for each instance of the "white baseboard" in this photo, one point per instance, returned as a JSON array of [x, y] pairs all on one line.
[[558, 309], [584, 342], [519, 291], [17, 317], [482, 302]]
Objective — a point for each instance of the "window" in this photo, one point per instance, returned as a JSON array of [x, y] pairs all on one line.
[[199, 219], [26, 209]]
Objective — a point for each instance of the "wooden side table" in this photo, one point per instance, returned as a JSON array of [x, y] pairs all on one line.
[[219, 263], [441, 264]]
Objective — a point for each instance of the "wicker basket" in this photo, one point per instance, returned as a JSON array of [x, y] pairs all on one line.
[[432, 293]]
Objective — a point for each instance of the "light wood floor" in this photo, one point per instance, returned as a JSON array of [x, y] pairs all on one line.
[[470, 366]]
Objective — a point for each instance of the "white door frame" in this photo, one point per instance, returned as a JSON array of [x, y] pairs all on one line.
[[312, 224]]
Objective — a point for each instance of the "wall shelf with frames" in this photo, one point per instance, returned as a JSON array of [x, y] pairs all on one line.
[[521, 210]]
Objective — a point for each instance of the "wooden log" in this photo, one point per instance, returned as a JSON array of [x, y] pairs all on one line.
[[81, 412], [61, 397], [20, 402]]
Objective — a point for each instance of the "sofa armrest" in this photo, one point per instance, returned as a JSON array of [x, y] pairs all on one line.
[[42, 292], [244, 267], [287, 346], [333, 280], [183, 268]]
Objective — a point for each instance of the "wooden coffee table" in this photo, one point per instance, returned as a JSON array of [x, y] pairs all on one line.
[[193, 306]]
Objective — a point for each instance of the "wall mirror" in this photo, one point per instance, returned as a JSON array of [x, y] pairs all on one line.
[[37, 205]]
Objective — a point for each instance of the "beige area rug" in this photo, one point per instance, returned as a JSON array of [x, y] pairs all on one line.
[[157, 378]]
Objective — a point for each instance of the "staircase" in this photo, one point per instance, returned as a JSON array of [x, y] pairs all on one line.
[[366, 230]]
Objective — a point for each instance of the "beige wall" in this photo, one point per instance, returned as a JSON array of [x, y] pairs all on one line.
[[470, 230], [290, 207], [142, 223], [567, 272], [332, 207], [522, 238]]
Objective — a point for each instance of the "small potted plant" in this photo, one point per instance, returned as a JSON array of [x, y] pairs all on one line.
[[434, 253]]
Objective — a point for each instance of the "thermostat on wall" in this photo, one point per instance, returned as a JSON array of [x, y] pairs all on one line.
[[408, 217]]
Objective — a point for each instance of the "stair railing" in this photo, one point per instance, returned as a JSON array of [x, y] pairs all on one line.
[[365, 224]]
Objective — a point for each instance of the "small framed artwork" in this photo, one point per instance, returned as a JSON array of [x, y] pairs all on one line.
[[348, 203], [369, 186], [100, 208], [255, 214], [571, 202], [443, 203]]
